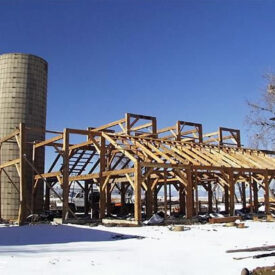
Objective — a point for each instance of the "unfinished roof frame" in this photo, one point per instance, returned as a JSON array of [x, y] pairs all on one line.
[[136, 156]]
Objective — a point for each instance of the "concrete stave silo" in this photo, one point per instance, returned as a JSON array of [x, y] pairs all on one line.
[[23, 99]]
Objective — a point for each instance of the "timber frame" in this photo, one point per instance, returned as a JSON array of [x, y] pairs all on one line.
[[133, 152]]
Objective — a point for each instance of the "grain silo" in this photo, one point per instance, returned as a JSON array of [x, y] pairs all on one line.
[[23, 98]]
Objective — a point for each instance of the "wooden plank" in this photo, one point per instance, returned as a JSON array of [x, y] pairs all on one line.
[[48, 175], [137, 192], [48, 141], [10, 163], [224, 219], [184, 155], [149, 152], [158, 151], [13, 134], [83, 144], [175, 155], [125, 152], [109, 125]]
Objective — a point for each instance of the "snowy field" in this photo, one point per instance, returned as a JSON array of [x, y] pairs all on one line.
[[68, 249]]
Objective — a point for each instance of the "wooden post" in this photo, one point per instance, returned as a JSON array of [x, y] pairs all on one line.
[[154, 127], [156, 199], [23, 188], [226, 199], [137, 190], [102, 202], [165, 194], [122, 195], [33, 181], [170, 199], [255, 195], [196, 194], [86, 197], [47, 197], [0, 182], [250, 194], [182, 198], [231, 193], [127, 123], [65, 183], [210, 198], [149, 209], [243, 195], [266, 195], [109, 198], [189, 191]]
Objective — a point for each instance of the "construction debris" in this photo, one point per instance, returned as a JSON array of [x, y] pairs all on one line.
[[156, 219], [253, 249], [255, 256], [224, 219]]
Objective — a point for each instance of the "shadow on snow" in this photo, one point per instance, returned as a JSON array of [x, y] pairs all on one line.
[[52, 234]]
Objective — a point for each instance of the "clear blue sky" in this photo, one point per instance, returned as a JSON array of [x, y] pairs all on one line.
[[177, 60]]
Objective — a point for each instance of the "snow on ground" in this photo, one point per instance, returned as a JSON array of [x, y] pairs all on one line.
[[68, 249]]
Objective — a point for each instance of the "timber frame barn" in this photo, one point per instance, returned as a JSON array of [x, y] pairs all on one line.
[[133, 152]]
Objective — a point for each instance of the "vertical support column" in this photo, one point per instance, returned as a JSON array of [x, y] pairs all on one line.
[[149, 209], [220, 136], [178, 131], [231, 193], [196, 194], [86, 197], [266, 195], [154, 127], [165, 194], [226, 199], [65, 184], [47, 197], [238, 138], [137, 184], [210, 198], [156, 199], [122, 195], [102, 202], [23, 188], [189, 194], [33, 181], [243, 195], [0, 183], [170, 198], [109, 198], [250, 194], [182, 198], [127, 123], [255, 195], [200, 133]]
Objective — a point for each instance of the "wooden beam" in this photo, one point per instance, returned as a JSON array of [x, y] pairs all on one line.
[[125, 152], [48, 141], [266, 195], [22, 214], [231, 193], [65, 175], [10, 163], [13, 134], [137, 191], [102, 201], [189, 195]]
